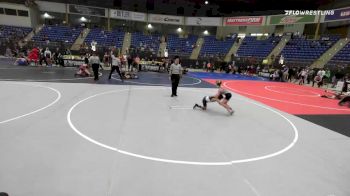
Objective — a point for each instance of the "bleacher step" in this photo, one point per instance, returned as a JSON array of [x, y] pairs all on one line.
[[233, 50], [126, 42], [80, 40], [197, 49], [330, 53], [279, 47], [29, 37]]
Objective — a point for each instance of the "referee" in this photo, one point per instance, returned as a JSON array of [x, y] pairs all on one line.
[[94, 61], [116, 65], [175, 73]]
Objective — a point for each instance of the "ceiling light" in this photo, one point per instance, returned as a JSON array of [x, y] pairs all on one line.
[[46, 15], [83, 19]]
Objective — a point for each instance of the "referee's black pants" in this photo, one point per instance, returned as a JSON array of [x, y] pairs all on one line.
[[95, 70], [175, 79], [118, 71]]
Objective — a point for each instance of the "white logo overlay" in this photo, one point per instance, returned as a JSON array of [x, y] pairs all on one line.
[[308, 12]]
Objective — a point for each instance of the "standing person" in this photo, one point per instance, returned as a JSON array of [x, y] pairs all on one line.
[[116, 63], [337, 76], [42, 57], [285, 73], [175, 73], [303, 75], [106, 59], [327, 77], [130, 60], [310, 75], [8, 52], [136, 63], [48, 56], [94, 61], [290, 75], [208, 66], [321, 73]]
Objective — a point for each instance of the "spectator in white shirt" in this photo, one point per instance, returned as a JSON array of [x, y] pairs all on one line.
[[48, 55]]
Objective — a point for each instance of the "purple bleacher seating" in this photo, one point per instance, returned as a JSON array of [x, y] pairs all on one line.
[[252, 47], [212, 46], [181, 46], [148, 42], [56, 33], [105, 38]]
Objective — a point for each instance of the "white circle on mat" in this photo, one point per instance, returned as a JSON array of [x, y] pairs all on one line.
[[229, 162], [58, 93], [283, 101], [271, 88], [48, 80]]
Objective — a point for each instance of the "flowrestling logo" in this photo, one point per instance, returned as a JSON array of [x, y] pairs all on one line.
[[308, 12]]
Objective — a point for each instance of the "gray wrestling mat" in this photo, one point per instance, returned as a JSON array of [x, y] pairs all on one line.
[[86, 139]]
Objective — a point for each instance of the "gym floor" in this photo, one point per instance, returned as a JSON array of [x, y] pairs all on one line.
[[61, 135]]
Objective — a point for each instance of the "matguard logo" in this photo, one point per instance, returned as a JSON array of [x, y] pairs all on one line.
[[290, 19], [308, 12], [171, 19]]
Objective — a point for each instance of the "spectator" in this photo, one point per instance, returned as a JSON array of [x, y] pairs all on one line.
[[302, 77], [8, 52], [310, 75], [318, 81], [42, 57], [48, 55], [337, 77]]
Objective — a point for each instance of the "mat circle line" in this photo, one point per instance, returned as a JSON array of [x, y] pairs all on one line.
[[58, 93], [271, 155], [281, 92], [282, 101], [48, 80]]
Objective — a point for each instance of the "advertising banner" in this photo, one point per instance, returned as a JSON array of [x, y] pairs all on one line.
[[166, 19], [84, 10], [283, 19], [244, 21], [51, 6], [339, 14], [203, 21], [128, 15]]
